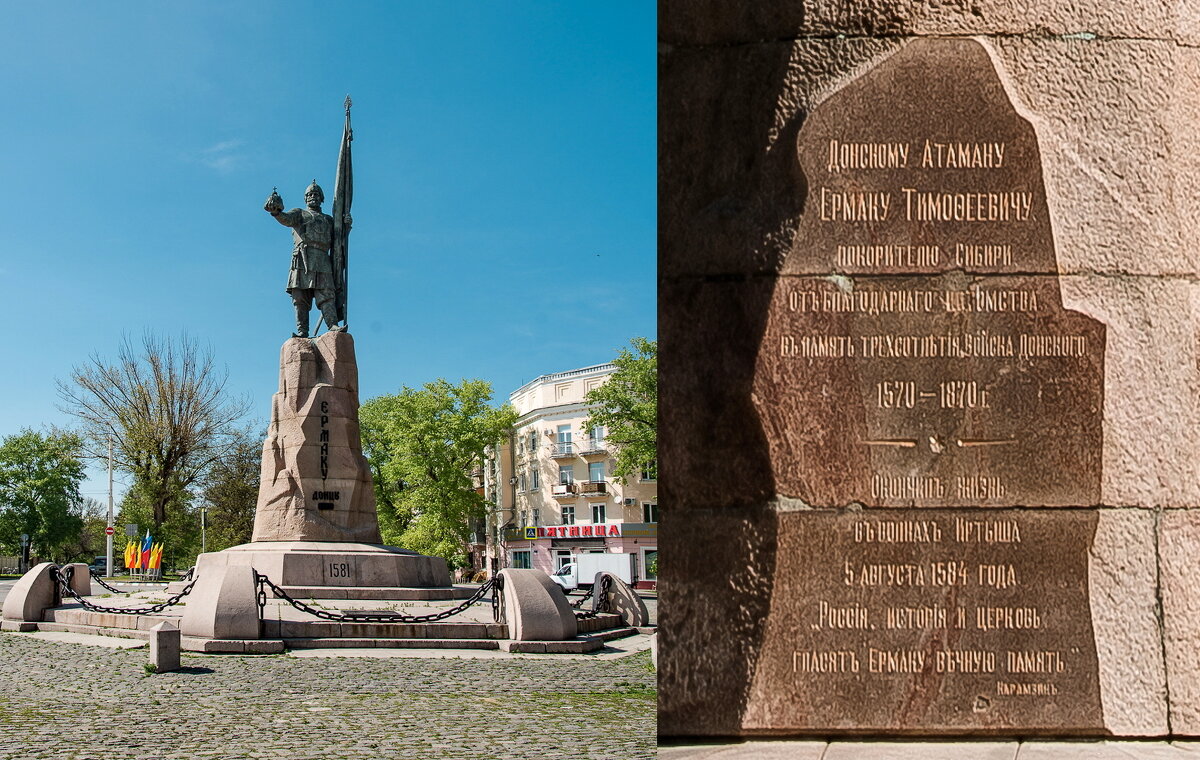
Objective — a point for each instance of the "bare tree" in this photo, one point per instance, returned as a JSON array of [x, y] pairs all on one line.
[[166, 409]]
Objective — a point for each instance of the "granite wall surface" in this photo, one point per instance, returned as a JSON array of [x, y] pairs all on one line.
[[768, 458]]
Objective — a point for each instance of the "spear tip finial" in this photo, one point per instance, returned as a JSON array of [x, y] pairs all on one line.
[[348, 103]]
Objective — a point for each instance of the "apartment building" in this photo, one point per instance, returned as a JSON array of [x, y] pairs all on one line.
[[551, 486]]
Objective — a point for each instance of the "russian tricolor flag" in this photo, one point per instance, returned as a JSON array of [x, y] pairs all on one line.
[[147, 544]]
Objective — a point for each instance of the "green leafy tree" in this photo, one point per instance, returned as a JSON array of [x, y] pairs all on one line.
[[422, 445], [40, 474], [165, 409], [179, 533], [231, 491], [626, 406], [91, 541]]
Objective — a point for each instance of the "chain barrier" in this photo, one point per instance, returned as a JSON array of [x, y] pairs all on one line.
[[601, 605], [98, 579], [62, 578], [380, 617], [579, 604]]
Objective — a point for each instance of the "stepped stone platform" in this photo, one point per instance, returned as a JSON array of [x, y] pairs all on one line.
[[285, 627]]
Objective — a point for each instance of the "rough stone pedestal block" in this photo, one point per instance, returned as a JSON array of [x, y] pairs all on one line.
[[29, 599], [222, 605], [316, 485], [536, 608]]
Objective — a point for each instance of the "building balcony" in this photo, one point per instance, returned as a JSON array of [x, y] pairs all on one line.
[[593, 447], [562, 449], [593, 488], [564, 491]]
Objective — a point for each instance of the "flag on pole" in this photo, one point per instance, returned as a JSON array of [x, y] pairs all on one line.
[[156, 557], [343, 195], [147, 543], [130, 551]]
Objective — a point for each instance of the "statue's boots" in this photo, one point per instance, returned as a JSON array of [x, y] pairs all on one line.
[[328, 307], [302, 307]]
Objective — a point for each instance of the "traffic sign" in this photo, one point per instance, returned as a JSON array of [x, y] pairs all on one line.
[[109, 530]]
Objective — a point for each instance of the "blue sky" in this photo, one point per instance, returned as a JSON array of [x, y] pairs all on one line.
[[504, 201]]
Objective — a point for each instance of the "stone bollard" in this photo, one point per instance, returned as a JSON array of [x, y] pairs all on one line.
[[164, 647], [622, 600], [29, 598], [81, 579], [536, 608]]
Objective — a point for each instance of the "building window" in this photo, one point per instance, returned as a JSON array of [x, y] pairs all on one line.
[[650, 564], [533, 479], [533, 442], [649, 512], [566, 474], [597, 513], [521, 485], [596, 472], [522, 560], [563, 443], [650, 471], [568, 514], [561, 557], [537, 517]]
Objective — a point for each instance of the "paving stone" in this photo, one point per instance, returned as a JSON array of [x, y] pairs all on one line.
[[1109, 751], [69, 702], [755, 750], [920, 751]]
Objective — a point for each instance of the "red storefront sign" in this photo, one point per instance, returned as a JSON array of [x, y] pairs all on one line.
[[580, 531]]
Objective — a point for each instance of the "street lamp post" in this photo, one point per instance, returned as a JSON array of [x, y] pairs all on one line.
[[24, 553], [203, 529]]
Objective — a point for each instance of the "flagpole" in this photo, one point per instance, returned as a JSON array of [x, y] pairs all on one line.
[[108, 534], [343, 196]]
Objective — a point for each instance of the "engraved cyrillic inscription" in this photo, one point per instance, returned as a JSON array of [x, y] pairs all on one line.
[[924, 391], [942, 594]]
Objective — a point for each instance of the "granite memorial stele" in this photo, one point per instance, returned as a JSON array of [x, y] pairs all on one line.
[[884, 426]]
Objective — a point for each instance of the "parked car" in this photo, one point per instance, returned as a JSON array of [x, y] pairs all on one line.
[[582, 572], [100, 565]]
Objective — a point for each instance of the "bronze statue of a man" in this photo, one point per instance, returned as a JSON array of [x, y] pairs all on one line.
[[312, 274]]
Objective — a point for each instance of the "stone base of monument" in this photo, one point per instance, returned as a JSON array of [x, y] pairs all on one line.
[[331, 570], [222, 614]]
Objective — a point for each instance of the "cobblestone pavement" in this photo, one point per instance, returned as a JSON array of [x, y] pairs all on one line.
[[73, 702]]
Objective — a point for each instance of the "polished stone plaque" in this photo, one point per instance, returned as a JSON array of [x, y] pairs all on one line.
[[917, 351], [933, 415]]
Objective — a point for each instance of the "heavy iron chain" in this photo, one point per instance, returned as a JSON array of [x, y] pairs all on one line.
[[264, 582], [601, 604], [96, 577], [579, 604], [62, 577]]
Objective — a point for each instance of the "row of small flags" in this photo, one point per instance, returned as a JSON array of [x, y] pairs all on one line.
[[144, 554]]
